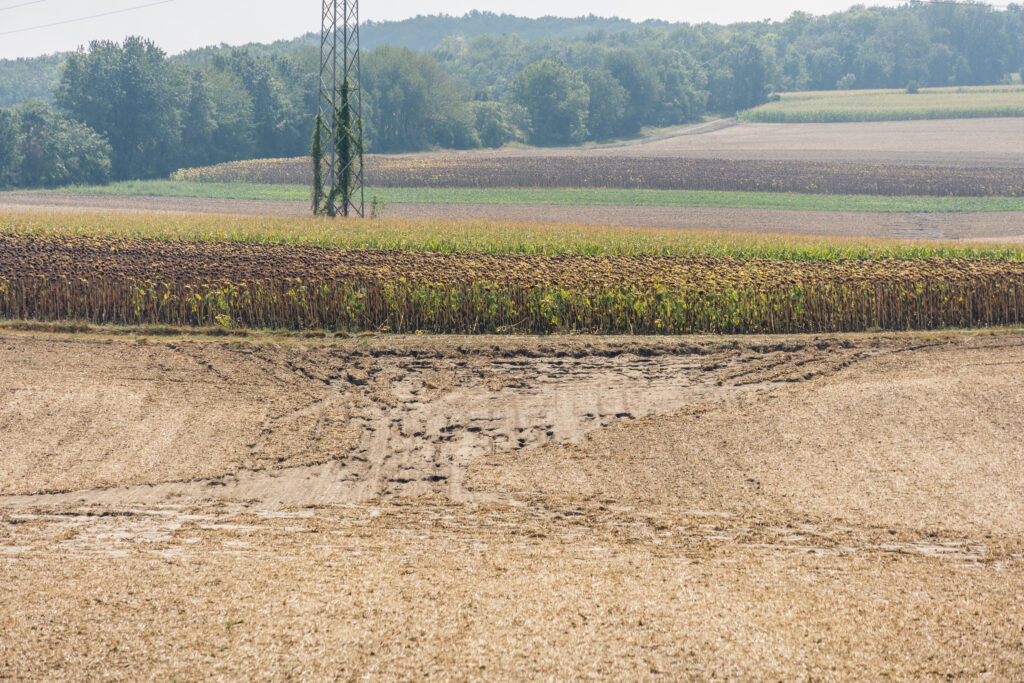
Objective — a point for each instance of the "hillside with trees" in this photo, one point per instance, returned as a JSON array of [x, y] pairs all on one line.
[[485, 80]]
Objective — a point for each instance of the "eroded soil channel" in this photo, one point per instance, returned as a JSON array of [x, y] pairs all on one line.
[[268, 425]]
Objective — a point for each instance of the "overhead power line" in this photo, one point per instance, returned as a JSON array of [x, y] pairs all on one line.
[[21, 4], [91, 16]]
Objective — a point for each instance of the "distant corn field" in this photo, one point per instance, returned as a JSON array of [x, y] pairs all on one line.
[[836, 106]]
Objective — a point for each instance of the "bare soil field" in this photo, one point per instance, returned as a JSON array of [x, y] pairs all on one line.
[[282, 507], [952, 157], [995, 226], [1005, 226], [948, 142]]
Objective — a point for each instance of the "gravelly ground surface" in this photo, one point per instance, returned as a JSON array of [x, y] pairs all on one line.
[[826, 507]]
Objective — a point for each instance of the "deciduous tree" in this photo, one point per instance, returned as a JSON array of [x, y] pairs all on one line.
[[131, 95], [558, 102]]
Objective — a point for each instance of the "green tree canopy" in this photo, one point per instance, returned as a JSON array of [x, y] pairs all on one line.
[[10, 149], [54, 149], [608, 100], [557, 100], [234, 136], [640, 80], [199, 123], [410, 104], [498, 123], [131, 95], [742, 77]]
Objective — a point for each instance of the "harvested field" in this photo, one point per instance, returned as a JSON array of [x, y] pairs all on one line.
[[654, 172], [1005, 227], [951, 142], [827, 507], [965, 157], [382, 197], [697, 174], [140, 281], [999, 226], [954, 142]]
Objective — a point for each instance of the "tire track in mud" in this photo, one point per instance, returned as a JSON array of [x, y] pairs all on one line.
[[348, 428], [168, 529]]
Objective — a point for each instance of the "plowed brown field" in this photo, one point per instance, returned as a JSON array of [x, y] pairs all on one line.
[[970, 157], [652, 173], [803, 507]]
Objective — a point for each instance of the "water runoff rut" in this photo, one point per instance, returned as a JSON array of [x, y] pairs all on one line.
[[408, 425]]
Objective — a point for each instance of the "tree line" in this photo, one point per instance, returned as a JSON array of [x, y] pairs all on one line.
[[127, 110]]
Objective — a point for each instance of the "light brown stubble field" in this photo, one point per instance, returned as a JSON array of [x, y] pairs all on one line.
[[826, 507], [1005, 227], [946, 142]]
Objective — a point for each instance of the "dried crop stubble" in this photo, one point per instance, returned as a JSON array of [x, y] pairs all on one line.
[[660, 173], [190, 262], [948, 142], [689, 565], [529, 228], [483, 236], [275, 286]]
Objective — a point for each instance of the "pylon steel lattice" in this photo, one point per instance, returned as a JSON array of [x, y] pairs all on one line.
[[341, 107]]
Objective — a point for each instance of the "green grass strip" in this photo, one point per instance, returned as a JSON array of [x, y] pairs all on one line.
[[574, 197], [844, 106]]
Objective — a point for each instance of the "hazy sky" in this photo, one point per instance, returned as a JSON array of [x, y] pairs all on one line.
[[177, 25]]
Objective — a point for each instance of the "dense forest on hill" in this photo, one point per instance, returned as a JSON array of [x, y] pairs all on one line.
[[484, 80], [23, 79]]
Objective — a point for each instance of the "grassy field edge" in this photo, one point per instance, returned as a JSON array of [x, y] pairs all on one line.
[[570, 197]]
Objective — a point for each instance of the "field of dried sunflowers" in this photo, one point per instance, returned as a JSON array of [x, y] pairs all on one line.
[[471, 278], [656, 173]]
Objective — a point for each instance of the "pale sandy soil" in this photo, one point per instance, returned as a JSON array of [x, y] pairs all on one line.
[[1001, 226], [496, 508]]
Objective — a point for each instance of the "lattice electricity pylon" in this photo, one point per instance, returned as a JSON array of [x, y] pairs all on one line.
[[341, 96]]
